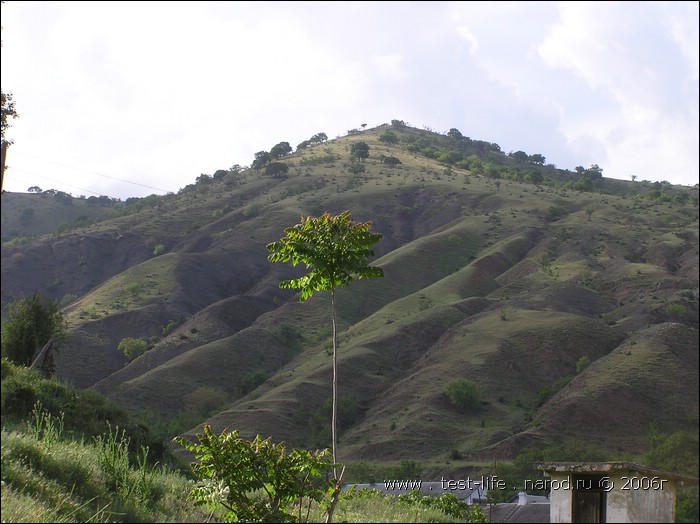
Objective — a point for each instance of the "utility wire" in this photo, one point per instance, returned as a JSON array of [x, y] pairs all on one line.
[[100, 174]]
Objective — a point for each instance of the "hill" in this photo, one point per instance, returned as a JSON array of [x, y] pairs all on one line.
[[569, 298]]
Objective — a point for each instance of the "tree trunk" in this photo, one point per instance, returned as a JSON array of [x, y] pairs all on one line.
[[336, 496], [44, 360], [334, 415]]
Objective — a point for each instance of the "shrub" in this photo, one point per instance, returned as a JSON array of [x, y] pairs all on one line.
[[464, 394], [582, 363], [676, 310], [205, 399], [549, 391], [133, 347], [256, 480], [252, 380]]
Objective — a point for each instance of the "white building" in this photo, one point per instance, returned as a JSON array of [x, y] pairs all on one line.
[[611, 492]]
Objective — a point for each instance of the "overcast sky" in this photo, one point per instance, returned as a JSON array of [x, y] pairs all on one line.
[[135, 98]]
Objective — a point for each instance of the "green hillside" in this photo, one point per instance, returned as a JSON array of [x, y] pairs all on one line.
[[498, 268]]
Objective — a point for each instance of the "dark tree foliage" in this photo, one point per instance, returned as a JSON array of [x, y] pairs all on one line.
[[262, 158], [277, 169], [280, 150], [389, 137], [8, 111], [318, 138], [537, 159], [360, 150], [522, 156], [29, 324]]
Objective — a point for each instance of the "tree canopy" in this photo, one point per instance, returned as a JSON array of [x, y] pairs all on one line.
[[276, 169], [334, 247], [280, 150], [360, 150], [29, 324]]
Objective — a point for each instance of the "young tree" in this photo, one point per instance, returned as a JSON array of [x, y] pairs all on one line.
[[256, 480], [334, 248]]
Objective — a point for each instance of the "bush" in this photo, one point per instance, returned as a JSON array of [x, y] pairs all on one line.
[[676, 310], [252, 380], [582, 363], [204, 399], [256, 480], [133, 347], [464, 394]]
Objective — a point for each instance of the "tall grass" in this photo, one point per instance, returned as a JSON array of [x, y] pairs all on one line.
[[51, 473]]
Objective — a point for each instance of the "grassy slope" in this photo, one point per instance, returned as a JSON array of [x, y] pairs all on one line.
[[77, 457], [460, 254], [29, 215]]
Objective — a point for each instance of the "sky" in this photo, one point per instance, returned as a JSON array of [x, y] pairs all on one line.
[[129, 99]]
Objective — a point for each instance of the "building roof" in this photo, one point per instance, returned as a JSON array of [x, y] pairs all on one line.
[[525, 498], [512, 512], [470, 491], [608, 467]]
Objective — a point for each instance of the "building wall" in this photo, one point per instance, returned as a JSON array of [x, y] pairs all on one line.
[[653, 505], [559, 499], [627, 501]]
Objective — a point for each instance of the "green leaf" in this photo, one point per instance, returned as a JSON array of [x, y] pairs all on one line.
[[333, 247]]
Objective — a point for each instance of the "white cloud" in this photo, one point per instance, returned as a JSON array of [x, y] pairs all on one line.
[[623, 52], [465, 33], [158, 93], [390, 66]]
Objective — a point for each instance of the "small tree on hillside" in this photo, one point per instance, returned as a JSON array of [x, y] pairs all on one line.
[[464, 394], [318, 138], [389, 137], [280, 150], [262, 158], [133, 347], [277, 169], [334, 248], [360, 150]]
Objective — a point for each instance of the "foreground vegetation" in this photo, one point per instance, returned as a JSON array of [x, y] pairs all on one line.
[[73, 456]]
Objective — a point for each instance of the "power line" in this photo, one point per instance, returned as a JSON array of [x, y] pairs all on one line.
[[52, 180], [99, 174], [36, 201]]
